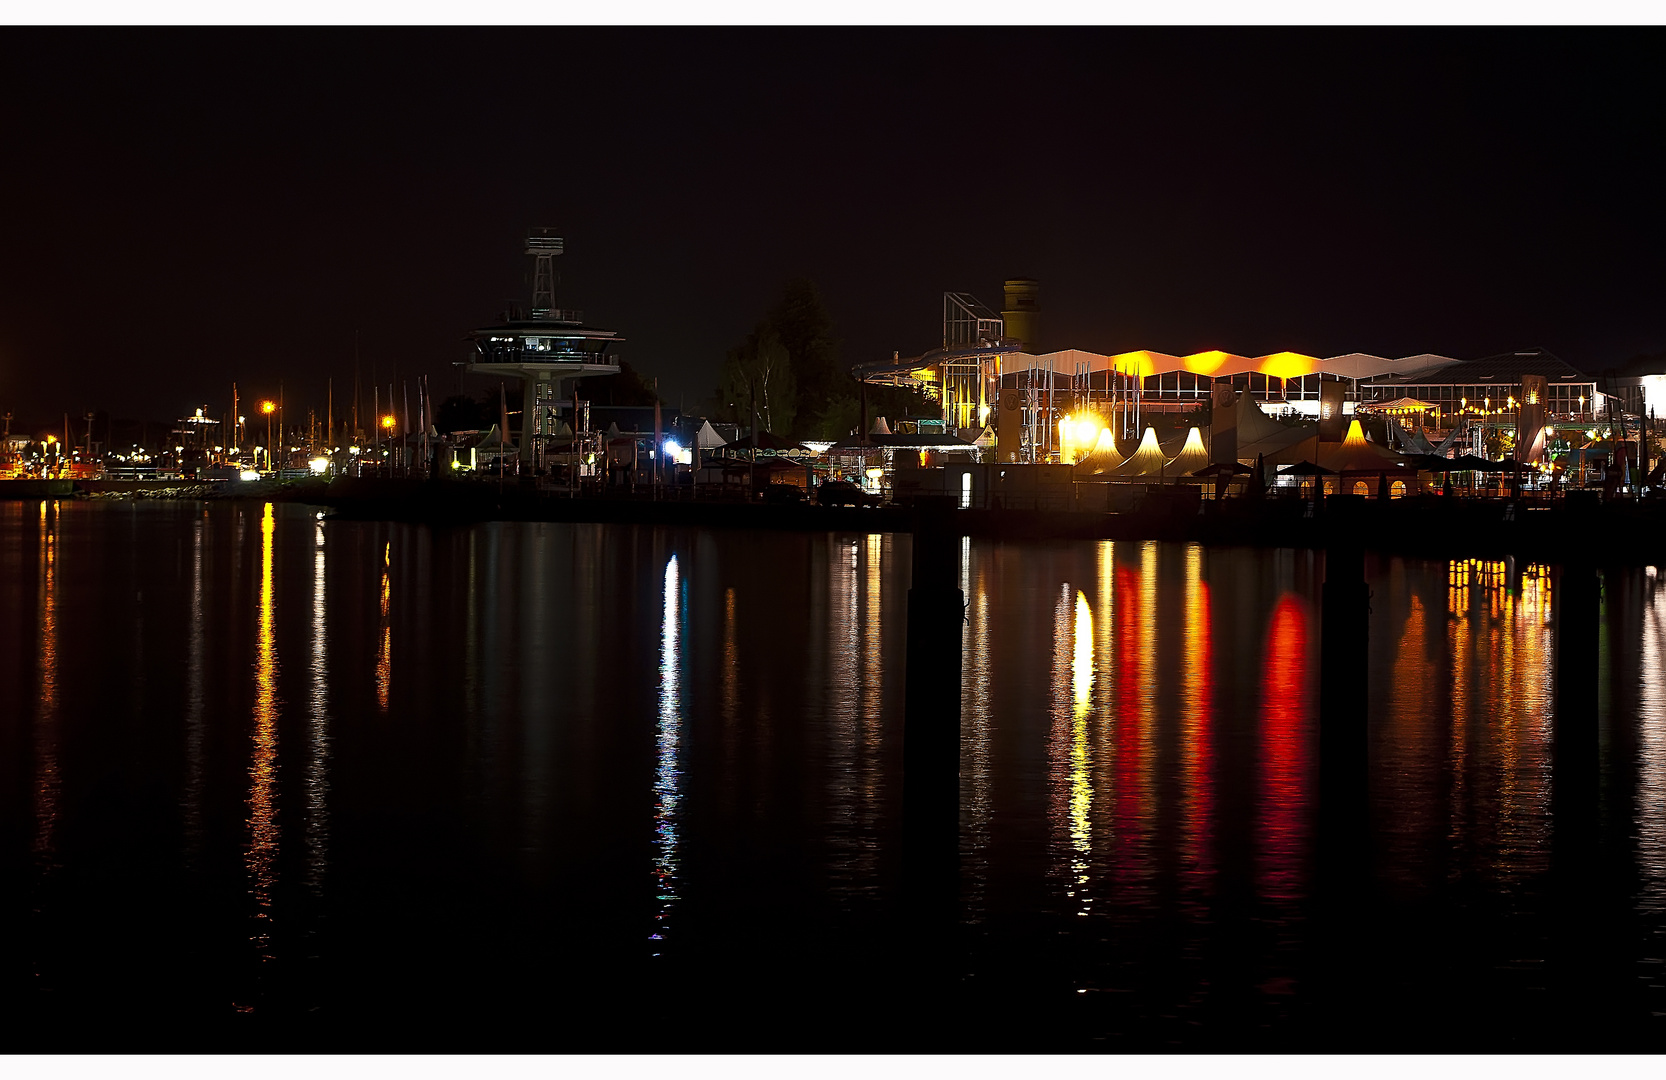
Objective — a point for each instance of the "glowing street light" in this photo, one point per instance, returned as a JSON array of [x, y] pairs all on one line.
[[268, 407]]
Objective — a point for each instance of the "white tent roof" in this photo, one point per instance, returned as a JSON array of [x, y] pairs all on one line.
[[1147, 460], [1192, 457], [707, 437]]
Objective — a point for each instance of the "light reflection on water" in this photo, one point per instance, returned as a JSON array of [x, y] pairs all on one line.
[[48, 781], [261, 859], [384, 654], [1285, 713], [318, 743], [1461, 754], [196, 694], [668, 775], [1139, 736]]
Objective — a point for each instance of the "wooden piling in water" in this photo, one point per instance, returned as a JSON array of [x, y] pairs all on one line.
[[931, 726]]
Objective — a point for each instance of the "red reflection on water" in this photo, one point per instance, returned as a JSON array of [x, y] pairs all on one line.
[[1131, 761], [1197, 809], [1284, 708]]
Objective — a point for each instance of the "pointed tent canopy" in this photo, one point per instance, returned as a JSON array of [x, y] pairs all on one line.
[[880, 427], [1146, 460], [1192, 457], [1259, 433], [707, 437], [494, 441], [1414, 441], [1354, 454], [1102, 460], [985, 439]]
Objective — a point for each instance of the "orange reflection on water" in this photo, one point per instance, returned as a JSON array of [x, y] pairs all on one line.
[[384, 653], [1134, 801], [263, 816], [47, 779], [731, 665], [1197, 760], [1284, 708]]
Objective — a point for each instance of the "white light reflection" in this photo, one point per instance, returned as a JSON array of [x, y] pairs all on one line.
[[668, 777], [976, 750], [1651, 756], [317, 782]]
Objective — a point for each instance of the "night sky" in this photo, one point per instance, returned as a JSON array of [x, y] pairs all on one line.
[[189, 207]]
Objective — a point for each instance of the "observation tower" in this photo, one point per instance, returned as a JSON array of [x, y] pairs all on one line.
[[546, 347]]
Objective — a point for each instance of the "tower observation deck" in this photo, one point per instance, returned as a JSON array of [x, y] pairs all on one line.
[[545, 347]]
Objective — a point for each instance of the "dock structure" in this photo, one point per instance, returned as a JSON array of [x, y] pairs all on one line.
[[545, 347]]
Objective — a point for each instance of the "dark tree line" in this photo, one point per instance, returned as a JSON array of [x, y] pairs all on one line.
[[789, 367]]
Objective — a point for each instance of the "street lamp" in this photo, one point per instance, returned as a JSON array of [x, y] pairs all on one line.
[[387, 426], [268, 407]]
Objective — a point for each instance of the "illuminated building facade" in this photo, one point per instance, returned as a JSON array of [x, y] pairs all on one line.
[[988, 374]]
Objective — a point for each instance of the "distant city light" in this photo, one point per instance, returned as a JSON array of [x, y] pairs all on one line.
[[248, 474], [319, 464], [387, 421], [267, 407]]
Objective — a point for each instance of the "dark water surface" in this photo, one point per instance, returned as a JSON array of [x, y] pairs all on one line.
[[273, 783]]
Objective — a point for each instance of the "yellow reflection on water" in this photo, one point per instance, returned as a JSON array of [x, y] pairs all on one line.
[[263, 821], [667, 775], [195, 699], [1061, 746], [384, 653], [873, 676], [47, 779], [1081, 784]]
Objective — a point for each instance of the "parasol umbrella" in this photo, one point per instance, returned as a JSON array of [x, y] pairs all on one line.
[[1308, 469], [1223, 471]]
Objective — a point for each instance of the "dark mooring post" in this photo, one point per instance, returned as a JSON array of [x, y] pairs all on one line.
[[931, 730], [1578, 600], [1574, 792], [1344, 840]]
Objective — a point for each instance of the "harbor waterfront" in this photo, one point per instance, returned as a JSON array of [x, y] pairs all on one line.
[[281, 780]]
